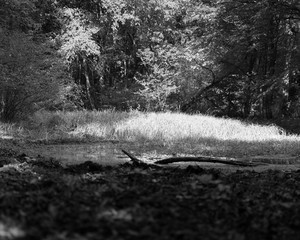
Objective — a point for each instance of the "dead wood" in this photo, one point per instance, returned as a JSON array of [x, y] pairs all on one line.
[[133, 158], [208, 160], [228, 161]]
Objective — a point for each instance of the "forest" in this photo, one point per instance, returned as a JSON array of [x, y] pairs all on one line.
[[238, 59], [149, 119]]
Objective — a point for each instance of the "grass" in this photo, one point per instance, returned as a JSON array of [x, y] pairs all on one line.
[[178, 132], [8, 130]]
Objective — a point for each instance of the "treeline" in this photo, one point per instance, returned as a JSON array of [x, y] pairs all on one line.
[[233, 58]]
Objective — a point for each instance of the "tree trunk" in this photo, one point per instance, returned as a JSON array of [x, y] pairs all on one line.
[[88, 86], [271, 57]]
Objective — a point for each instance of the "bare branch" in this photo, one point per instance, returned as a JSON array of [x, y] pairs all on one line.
[[227, 161], [207, 159]]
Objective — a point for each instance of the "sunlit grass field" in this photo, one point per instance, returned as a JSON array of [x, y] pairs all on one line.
[[175, 132]]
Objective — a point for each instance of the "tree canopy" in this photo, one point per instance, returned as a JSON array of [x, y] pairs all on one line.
[[226, 58]]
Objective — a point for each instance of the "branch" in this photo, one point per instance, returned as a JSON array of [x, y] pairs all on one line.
[[228, 161], [186, 106], [133, 158]]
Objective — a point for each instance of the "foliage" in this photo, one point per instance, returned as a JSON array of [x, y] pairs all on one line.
[[144, 43], [32, 75], [257, 45], [79, 51], [226, 58], [29, 76]]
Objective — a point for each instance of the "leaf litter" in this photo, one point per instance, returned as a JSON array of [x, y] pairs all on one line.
[[42, 200]]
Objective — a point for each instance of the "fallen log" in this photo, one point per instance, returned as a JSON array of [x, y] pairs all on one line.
[[206, 159]]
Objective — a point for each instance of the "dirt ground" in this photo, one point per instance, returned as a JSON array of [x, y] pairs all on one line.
[[41, 199]]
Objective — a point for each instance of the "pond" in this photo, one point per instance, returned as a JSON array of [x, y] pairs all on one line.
[[110, 153], [103, 153]]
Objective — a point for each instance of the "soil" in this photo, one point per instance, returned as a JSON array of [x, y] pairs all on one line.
[[41, 199]]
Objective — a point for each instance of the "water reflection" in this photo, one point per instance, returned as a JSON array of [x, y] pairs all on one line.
[[104, 153]]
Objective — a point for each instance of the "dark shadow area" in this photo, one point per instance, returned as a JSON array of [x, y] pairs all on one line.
[[289, 125], [42, 200]]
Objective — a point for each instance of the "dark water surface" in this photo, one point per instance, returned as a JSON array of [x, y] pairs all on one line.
[[102, 153], [109, 153]]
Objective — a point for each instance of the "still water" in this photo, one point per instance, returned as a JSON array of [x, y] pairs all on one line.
[[102, 153], [109, 153]]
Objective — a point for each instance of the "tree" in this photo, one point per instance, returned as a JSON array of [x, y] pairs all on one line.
[[31, 73], [177, 59], [154, 49], [256, 45], [80, 51], [234, 58]]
